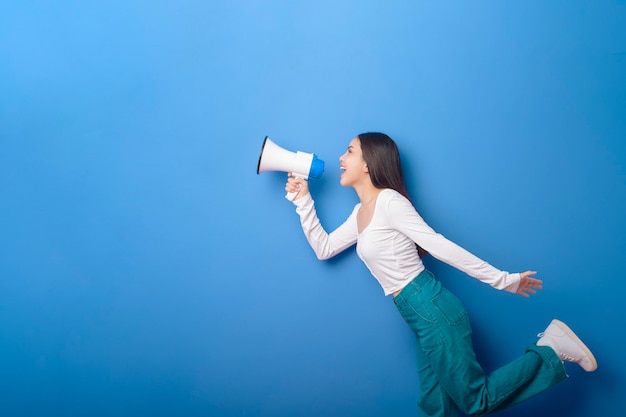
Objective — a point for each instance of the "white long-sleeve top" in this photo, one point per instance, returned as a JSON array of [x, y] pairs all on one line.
[[387, 244]]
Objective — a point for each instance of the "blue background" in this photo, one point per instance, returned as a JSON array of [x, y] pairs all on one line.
[[146, 269]]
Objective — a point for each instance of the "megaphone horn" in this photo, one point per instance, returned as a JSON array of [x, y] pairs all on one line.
[[300, 164]]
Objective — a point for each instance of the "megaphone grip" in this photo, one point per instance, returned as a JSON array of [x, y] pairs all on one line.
[[292, 195]]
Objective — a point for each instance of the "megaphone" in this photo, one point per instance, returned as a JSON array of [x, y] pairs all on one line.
[[300, 164]]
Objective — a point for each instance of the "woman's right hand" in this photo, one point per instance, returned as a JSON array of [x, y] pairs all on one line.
[[295, 184]]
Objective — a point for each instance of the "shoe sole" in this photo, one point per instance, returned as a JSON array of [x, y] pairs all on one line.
[[570, 333]]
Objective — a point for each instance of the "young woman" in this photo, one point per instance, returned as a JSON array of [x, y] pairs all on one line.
[[389, 233]]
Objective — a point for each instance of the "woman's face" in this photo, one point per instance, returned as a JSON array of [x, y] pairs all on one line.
[[352, 164]]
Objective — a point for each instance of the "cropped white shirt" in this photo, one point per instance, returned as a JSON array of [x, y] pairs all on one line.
[[387, 244]]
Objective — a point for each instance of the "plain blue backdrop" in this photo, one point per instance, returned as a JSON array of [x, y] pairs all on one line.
[[146, 269]]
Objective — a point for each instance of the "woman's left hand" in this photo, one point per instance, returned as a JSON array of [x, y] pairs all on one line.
[[528, 284]]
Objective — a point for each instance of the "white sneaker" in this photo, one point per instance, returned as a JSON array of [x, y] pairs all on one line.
[[567, 345]]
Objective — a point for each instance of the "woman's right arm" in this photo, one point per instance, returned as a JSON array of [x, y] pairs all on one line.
[[324, 245]]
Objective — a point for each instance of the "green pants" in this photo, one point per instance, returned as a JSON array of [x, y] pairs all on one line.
[[450, 376]]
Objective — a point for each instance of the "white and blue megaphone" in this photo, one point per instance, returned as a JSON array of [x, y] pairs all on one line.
[[300, 164]]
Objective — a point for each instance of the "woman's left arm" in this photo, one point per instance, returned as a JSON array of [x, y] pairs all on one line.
[[405, 219]]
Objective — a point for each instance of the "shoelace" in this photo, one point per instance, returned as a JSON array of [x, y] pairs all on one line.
[[568, 358]]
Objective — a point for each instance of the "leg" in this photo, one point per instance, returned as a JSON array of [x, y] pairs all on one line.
[[434, 401], [441, 324], [549, 373]]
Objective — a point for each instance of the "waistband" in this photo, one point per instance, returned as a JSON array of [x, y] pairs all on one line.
[[415, 285]]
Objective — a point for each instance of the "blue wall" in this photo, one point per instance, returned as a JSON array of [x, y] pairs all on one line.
[[146, 269]]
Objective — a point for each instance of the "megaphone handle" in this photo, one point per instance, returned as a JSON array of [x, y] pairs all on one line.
[[291, 196]]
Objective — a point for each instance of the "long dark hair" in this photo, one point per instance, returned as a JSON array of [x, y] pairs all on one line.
[[382, 157]]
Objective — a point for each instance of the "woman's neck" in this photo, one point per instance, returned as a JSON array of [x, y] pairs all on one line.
[[367, 194]]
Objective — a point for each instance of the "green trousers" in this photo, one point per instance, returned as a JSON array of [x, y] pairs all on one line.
[[450, 376]]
